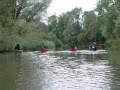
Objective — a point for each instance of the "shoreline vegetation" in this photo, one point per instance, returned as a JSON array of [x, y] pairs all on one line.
[[21, 22], [80, 48]]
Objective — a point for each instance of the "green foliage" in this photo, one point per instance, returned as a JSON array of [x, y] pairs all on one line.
[[54, 31], [20, 23], [90, 25], [13, 17], [52, 26], [117, 28], [66, 28], [113, 44], [52, 37], [8, 37], [108, 12], [73, 26], [60, 28], [32, 41]]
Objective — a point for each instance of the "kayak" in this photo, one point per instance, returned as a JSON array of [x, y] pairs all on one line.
[[100, 47], [73, 49], [43, 50]]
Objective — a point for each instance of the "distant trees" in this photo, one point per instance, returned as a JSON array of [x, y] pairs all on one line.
[[76, 26], [73, 25], [66, 27], [90, 25], [100, 25]]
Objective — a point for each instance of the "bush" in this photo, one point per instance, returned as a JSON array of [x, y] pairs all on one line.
[[33, 41]]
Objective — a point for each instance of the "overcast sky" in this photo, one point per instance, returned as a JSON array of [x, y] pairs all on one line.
[[61, 6]]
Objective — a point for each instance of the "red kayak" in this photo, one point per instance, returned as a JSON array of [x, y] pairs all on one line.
[[43, 50], [73, 49]]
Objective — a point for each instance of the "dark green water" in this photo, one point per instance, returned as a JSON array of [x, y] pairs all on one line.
[[60, 70]]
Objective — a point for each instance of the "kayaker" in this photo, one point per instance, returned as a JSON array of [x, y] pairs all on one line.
[[73, 47], [93, 46], [17, 47], [17, 51], [43, 48]]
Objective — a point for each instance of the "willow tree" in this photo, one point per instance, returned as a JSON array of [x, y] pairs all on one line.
[[14, 18], [109, 13], [26, 9]]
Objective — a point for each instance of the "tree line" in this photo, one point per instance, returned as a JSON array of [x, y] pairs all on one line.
[[20, 22]]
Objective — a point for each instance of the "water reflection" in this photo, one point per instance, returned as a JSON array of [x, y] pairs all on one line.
[[83, 73], [114, 61], [59, 70], [17, 56]]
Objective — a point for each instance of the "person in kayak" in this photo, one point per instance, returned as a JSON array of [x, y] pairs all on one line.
[[17, 51], [17, 47], [73, 47], [43, 48], [93, 46]]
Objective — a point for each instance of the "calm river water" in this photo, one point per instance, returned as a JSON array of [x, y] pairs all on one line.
[[60, 70]]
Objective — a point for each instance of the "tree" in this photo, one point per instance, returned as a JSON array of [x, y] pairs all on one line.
[[90, 25], [109, 12], [73, 26], [14, 18]]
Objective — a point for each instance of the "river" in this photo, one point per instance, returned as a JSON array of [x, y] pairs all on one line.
[[60, 70]]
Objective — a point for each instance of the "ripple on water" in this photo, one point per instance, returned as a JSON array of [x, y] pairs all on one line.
[[71, 73]]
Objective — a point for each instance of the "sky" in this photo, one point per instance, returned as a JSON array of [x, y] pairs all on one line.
[[58, 7]]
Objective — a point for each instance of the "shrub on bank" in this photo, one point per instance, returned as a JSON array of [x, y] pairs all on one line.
[[32, 41]]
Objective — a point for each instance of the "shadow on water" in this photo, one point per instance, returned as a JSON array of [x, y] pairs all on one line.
[[8, 69], [60, 70]]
